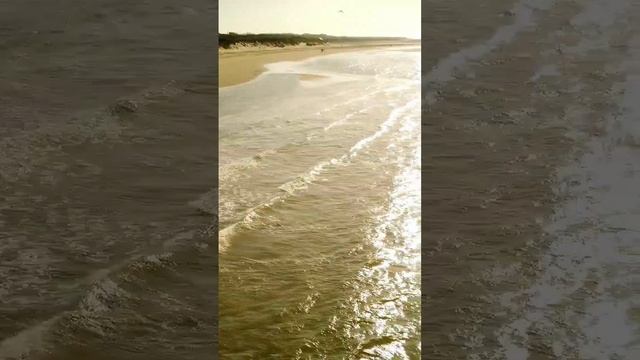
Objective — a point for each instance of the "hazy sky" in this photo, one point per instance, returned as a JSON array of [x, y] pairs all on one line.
[[359, 17]]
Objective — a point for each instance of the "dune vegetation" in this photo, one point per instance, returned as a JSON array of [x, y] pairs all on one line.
[[227, 41]]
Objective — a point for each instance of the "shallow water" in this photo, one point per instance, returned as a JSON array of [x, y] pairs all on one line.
[[102, 253], [320, 209], [530, 247]]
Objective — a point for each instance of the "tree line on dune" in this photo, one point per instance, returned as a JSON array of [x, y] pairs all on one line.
[[281, 40]]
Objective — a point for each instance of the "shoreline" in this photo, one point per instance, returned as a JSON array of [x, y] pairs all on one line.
[[238, 66]]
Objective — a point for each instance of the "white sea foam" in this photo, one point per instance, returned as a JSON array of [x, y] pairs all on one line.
[[304, 180], [446, 69]]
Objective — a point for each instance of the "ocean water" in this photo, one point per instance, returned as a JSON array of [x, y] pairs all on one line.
[[320, 209], [104, 248], [530, 180]]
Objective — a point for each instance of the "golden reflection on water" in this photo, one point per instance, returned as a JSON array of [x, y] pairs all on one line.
[[391, 305], [342, 280]]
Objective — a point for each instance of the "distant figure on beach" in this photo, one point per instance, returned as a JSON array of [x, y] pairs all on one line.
[[321, 49]]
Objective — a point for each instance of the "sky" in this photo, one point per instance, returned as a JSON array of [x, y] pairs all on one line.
[[358, 17]]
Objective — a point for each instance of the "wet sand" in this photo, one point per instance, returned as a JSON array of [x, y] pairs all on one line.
[[242, 65], [310, 77]]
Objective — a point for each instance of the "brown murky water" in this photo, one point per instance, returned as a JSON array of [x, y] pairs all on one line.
[[320, 209], [104, 252], [530, 240], [530, 134]]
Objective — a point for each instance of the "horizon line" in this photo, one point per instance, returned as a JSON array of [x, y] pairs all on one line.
[[317, 34]]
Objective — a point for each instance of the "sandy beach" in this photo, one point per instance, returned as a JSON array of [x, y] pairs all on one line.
[[237, 66]]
